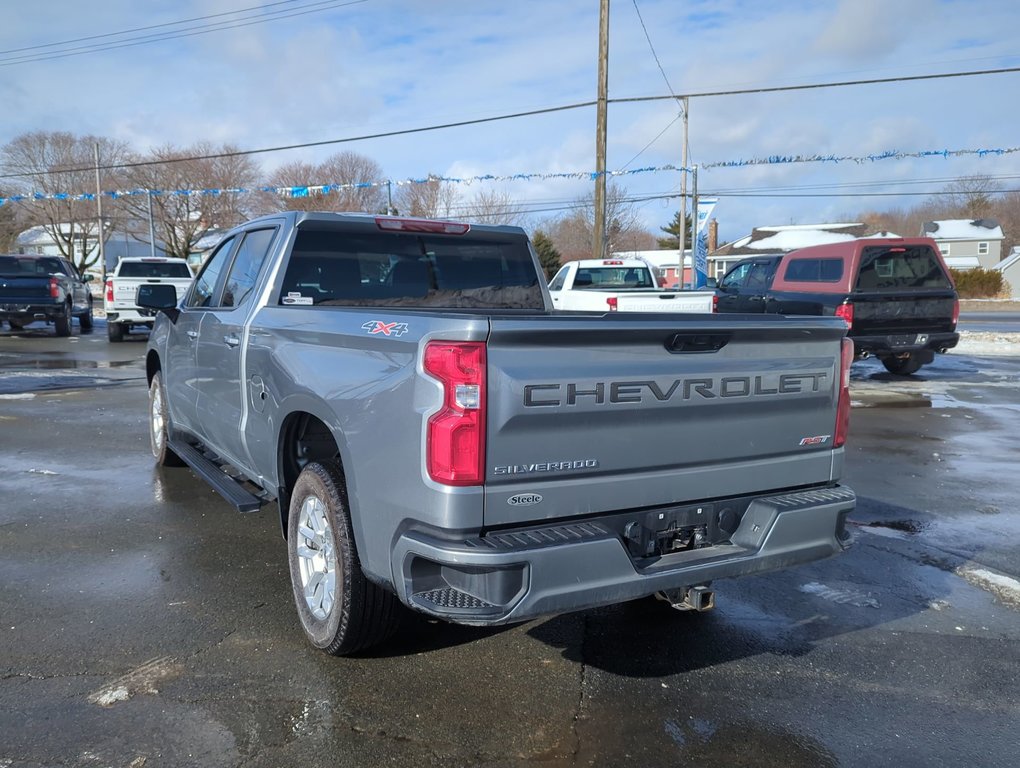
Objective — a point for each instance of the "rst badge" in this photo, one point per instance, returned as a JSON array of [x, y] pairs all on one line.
[[816, 440], [375, 327]]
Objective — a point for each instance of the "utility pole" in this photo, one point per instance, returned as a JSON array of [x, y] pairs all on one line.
[[683, 196], [152, 229], [99, 213], [599, 243]]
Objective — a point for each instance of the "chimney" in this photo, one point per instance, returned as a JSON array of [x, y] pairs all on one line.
[[713, 235]]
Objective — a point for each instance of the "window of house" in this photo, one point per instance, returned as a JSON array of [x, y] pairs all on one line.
[[982, 249], [944, 249]]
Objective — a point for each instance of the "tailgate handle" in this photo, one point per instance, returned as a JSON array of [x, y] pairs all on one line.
[[684, 343]]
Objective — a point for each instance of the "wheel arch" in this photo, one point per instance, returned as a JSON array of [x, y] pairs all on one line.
[[152, 365], [308, 432]]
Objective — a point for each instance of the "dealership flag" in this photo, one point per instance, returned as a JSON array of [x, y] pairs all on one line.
[[705, 207]]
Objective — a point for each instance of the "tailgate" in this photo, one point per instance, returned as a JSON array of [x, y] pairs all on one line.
[[605, 413], [664, 302], [126, 288], [884, 313], [14, 288]]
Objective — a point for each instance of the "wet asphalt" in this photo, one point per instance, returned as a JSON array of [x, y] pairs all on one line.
[[144, 623]]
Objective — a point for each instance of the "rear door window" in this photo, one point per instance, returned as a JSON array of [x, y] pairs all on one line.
[[813, 271], [897, 268], [335, 268]]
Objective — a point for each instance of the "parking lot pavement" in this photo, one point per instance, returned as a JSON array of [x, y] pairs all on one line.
[[143, 622]]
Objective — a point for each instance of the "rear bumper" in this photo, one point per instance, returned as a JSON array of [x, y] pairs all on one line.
[[128, 316], [29, 310], [511, 577], [898, 344]]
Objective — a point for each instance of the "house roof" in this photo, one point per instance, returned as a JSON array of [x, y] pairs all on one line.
[[661, 259], [1009, 261], [962, 262], [963, 229], [764, 240]]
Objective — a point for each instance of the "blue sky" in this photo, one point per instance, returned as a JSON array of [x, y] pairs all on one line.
[[383, 65]]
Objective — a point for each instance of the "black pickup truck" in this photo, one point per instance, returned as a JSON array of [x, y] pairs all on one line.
[[896, 295], [44, 288]]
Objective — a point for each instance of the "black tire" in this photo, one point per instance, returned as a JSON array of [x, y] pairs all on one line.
[[361, 614], [115, 331], [85, 320], [17, 325], [903, 366], [62, 322], [159, 425]]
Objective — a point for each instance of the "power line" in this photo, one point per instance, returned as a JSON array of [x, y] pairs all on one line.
[[659, 136], [840, 84], [652, 49], [189, 32], [327, 142], [146, 28], [510, 116]]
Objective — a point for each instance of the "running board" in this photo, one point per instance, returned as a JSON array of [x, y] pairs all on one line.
[[226, 486]]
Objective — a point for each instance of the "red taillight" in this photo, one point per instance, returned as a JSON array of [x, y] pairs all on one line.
[[455, 441], [715, 303], [422, 225], [614, 303], [613, 262], [843, 409], [846, 311], [956, 312], [54, 288], [109, 291]]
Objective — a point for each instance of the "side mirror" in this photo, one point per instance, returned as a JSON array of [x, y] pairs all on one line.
[[159, 298], [88, 278], [711, 283]]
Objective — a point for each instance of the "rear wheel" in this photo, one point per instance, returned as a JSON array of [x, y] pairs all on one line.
[[62, 322], [85, 320], [340, 610], [903, 366], [115, 331], [17, 325], [159, 425]]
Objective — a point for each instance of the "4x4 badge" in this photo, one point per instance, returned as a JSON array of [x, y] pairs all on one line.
[[386, 329]]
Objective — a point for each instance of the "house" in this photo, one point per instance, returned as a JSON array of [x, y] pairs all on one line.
[[1010, 269], [966, 239], [203, 247], [772, 241], [119, 244]]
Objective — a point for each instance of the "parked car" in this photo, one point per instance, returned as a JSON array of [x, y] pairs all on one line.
[[620, 285], [896, 295], [46, 288], [436, 436], [122, 313]]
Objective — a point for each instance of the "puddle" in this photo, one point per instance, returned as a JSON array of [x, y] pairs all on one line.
[[64, 364], [905, 526]]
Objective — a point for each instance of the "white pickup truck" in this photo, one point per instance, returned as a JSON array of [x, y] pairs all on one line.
[[620, 285], [122, 314]]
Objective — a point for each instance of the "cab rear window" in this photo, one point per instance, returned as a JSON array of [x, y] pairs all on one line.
[[893, 269], [336, 268], [168, 269], [814, 271]]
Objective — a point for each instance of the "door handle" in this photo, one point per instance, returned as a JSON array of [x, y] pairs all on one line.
[[231, 341], [192, 335]]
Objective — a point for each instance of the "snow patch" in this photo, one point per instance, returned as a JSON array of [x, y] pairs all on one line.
[[988, 344], [841, 596], [1006, 588], [140, 680], [19, 396]]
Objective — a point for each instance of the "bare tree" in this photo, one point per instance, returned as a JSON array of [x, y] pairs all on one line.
[[431, 199], [12, 221], [971, 197], [60, 163], [182, 213], [494, 206], [356, 175], [573, 234]]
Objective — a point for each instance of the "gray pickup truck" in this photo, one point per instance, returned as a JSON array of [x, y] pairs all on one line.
[[436, 436]]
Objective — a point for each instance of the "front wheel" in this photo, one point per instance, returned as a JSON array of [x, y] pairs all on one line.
[[340, 610], [159, 425], [903, 366]]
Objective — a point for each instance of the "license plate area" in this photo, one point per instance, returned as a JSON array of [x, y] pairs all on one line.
[[903, 340], [672, 529]]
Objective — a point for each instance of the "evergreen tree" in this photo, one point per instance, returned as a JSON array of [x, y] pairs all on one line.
[[548, 256], [673, 229]]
